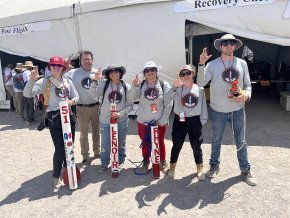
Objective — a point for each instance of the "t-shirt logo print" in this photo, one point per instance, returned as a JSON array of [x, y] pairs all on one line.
[[230, 75], [86, 82], [189, 100], [151, 93], [115, 97], [61, 93]]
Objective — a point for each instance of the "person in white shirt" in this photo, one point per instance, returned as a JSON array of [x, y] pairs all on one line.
[[7, 71]]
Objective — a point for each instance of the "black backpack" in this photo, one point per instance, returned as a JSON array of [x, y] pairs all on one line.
[[107, 85]]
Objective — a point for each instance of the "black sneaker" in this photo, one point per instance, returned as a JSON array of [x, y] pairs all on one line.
[[213, 171], [248, 178]]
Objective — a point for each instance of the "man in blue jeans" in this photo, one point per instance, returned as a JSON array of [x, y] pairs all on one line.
[[230, 87]]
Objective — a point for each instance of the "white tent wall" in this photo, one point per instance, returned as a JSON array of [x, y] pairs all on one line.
[[2, 89], [117, 32], [258, 22], [60, 40], [130, 32], [132, 35]]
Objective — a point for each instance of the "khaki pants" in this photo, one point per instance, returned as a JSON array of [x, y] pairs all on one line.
[[85, 116], [10, 94], [20, 103]]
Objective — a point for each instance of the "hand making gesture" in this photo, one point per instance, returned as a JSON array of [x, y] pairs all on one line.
[[204, 57], [177, 82], [136, 81], [35, 74], [98, 74]]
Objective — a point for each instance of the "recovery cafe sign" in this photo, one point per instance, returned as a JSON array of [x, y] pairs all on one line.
[[198, 5], [25, 28]]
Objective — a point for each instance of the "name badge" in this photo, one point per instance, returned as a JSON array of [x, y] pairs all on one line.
[[113, 107], [181, 116], [154, 108]]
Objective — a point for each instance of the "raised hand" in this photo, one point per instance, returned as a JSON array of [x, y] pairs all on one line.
[[136, 81], [98, 74], [177, 83], [204, 57], [35, 74]]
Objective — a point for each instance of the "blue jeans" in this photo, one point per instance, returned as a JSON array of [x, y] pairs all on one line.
[[219, 121], [106, 142]]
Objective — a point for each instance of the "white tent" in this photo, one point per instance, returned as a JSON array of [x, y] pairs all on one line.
[[128, 32]]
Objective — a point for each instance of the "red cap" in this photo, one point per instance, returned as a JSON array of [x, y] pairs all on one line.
[[56, 60]]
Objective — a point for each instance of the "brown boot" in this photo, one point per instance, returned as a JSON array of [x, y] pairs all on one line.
[[200, 173], [171, 171]]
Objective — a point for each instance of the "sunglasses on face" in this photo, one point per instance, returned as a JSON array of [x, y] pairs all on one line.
[[150, 69], [228, 42], [185, 73], [114, 71], [56, 65]]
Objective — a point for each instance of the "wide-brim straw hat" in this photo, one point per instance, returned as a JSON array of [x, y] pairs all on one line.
[[225, 37], [28, 64]]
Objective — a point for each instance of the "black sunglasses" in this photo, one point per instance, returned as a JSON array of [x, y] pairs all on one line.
[[152, 69], [114, 71], [185, 73], [56, 65], [228, 42]]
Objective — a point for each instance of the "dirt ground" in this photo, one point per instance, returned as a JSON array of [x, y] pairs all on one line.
[[26, 175]]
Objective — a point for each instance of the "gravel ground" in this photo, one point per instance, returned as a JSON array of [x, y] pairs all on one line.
[[26, 183]]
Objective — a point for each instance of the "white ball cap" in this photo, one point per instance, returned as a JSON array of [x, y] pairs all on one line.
[[149, 64]]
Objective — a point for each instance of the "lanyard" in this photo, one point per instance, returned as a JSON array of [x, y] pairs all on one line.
[[114, 91], [154, 84], [230, 62]]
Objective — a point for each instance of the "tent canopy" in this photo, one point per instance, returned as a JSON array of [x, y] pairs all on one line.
[[127, 32]]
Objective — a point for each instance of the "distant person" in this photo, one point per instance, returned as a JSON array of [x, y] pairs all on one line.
[[18, 86], [8, 83], [227, 104], [28, 101]]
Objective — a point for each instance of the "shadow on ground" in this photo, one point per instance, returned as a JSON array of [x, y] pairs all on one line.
[[185, 193]]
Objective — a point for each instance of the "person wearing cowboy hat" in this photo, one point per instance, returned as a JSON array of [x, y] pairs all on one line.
[[87, 107], [190, 110], [113, 92], [55, 89], [18, 86], [28, 101], [154, 109], [225, 105]]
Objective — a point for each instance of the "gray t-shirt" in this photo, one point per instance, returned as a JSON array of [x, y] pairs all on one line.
[[221, 76], [152, 97], [82, 81], [65, 91], [116, 94], [191, 101]]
